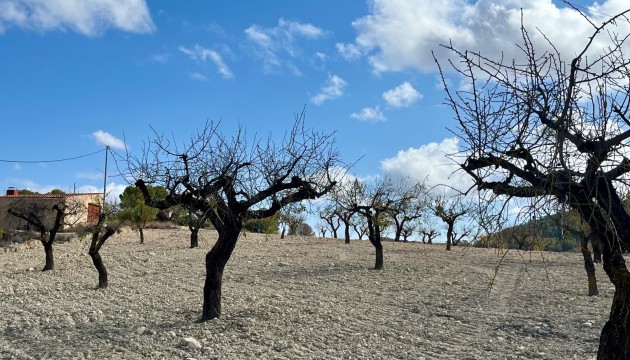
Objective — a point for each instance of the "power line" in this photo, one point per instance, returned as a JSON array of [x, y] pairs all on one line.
[[50, 161]]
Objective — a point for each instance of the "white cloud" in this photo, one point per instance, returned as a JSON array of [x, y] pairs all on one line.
[[429, 162], [332, 90], [489, 26], [197, 76], [201, 54], [161, 58], [89, 175], [87, 17], [277, 46], [369, 114], [349, 51], [105, 138], [403, 95]]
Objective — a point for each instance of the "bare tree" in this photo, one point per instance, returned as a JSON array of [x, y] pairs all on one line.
[[412, 205], [428, 235], [233, 180], [99, 235], [552, 130], [290, 218], [196, 220], [328, 214], [38, 216], [322, 227], [450, 211], [359, 225], [373, 201]]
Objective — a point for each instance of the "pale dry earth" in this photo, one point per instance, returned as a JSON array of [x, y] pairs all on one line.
[[298, 298]]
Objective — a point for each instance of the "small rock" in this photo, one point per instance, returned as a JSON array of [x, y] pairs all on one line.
[[140, 330], [191, 343], [31, 269], [171, 334], [587, 324]]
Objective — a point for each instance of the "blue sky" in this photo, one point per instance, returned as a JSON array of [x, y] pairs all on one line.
[[76, 75]]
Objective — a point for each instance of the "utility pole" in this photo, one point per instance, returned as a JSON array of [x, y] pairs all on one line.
[[105, 182]]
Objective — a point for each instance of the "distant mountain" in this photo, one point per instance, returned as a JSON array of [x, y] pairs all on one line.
[[557, 232]]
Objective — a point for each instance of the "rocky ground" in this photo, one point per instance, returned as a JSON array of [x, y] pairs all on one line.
[[298, 298]]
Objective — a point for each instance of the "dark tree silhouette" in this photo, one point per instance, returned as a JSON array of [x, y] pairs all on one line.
[[373, 201], [428, 235], [552, 130], [411, 207], [328, 213], [196, 221], [233, 180], [99, 234], [38, 216], [451, 210]]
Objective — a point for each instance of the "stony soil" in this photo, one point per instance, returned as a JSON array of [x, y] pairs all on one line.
[[298, 298]]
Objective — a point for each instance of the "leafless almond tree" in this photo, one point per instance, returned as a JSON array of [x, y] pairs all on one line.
[[234, 179], [551, 129], [38, 216]]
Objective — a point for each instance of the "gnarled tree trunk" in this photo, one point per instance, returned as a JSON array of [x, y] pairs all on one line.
[[589, 266], [614, 342], [194, 238], [449, 236], [50, 260], [100, 268], [216, 259]]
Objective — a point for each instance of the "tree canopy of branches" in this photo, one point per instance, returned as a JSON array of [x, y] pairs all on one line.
[[38, 216], [451, 210], [373, 200], [234, 180], [290, 218], [412, 205], [328, 213], [550, 129]]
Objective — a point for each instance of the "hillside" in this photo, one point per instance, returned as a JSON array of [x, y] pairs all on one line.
[[298, 298]]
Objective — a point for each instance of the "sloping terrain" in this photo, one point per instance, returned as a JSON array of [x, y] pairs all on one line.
[[298, 298]]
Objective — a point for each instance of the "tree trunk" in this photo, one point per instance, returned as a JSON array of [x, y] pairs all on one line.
[[589, 266], [141, 235], [398, 232], [379, 256], [614, 342], [449, 237], [100, 267], [283, 232], [347, 233], [216, 259], [597, 249], [50, 261], [194, 238]]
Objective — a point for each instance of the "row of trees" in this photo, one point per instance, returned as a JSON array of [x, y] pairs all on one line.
[[401, 208], [539, 128]]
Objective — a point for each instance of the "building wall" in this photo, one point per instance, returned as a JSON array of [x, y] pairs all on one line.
[[42, 205]]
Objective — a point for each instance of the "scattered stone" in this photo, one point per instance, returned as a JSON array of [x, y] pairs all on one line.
[[140, 330], [191, 343]]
